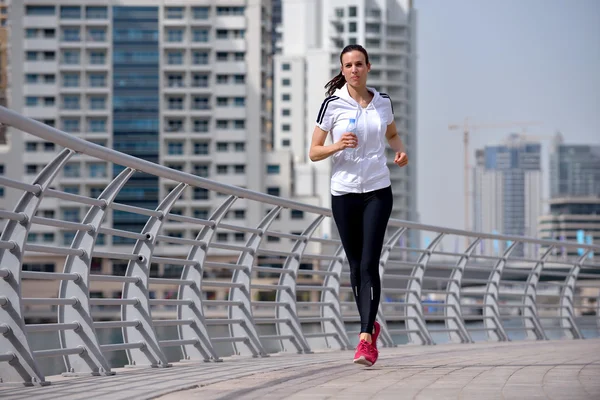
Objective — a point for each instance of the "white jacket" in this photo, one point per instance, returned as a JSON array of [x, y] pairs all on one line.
[[364, 168]]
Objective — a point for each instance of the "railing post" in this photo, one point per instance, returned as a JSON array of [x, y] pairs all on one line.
[[491, 311], [567, 308], [92, 360], [455, 323], [151, 353], [386, 338], [415, 320], [288, 296], [530, 311], [203, 349], [334, 325], [23, 367], [242, 294]]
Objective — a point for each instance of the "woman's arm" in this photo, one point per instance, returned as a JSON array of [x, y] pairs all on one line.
[[318, 150], [391, 134]]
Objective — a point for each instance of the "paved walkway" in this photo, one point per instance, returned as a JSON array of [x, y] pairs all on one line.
[[568, 369]]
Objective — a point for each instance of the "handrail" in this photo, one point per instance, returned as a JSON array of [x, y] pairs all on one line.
[[424, 290]]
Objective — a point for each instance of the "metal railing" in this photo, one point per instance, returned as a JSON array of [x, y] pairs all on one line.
[[268, 290]]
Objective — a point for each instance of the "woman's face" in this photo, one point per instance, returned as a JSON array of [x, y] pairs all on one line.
[[355, 68]]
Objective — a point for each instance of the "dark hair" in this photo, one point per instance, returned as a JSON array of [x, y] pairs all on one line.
[[338, 81]]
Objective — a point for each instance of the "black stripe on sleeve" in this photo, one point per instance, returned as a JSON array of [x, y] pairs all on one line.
[[387, 96], [324, 108]]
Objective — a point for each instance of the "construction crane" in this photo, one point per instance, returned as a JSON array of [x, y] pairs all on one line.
[[467, 127]]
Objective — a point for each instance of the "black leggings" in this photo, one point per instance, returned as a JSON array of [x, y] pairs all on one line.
[[362, 219]]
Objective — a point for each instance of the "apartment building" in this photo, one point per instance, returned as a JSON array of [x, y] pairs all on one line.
[[182, 83]]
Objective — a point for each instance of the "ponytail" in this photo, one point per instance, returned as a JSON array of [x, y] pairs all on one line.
[[337, 82]]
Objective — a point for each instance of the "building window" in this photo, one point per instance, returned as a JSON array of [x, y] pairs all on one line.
[[40, 10], [97, 170], [352, 27], [222, 236], [49, 146], [286, 97], [70, 80], [29, 147], [97, 57], [339, 12], [70, 12], [239, 168], [97, 80], [201, 148], [174, 125], [286, 112], [175, 58], [352, 40], [71, 125], [200, 125], [97, 34], [230, 10], [286, 82], [201, 103], [96, 12], [71, 102], [71, 57], [200, 80], [273, 239], [352, 11], [222, 124], [239, 124], [239, 79], [285, 67], [200, 35], [175, 148], [31, 56], [239, 101], [222, 79], [200, 58], [174, 13], [297, 214], [200, 12], [239, 56], [175, 80], [239, 236], [222, 169], [273, 191], [72, 170], [97, 103], [200, 194], [175, 103], [222, 101], [97, 125], [285, 143], [31, 33], [285, 127], [31, 101], [222, 34], [222, 56], [175, 35], [239, 214], [201, 170], [31, 78], [240, 146], [272, 169], [222, 146]]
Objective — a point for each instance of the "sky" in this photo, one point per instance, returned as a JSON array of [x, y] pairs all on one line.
[[495, 62]]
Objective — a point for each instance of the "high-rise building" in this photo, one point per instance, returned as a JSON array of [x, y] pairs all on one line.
[[508, 188], [313, 35], [574, 169], [179, 83], [3, 61], [575, 195]]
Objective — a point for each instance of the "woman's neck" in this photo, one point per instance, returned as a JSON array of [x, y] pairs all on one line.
[[360, 94]]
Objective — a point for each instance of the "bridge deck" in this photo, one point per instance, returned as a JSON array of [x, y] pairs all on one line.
[[545, 370]]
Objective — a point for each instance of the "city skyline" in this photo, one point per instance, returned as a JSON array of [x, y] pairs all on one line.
[[497, 62]]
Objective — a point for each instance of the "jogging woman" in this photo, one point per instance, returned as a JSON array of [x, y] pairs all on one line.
[[360, 121]]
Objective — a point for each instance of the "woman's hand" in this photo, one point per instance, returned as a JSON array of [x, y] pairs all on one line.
[[401, 159], [348, 140]]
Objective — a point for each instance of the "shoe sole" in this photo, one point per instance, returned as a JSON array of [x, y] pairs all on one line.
[[363, 361]]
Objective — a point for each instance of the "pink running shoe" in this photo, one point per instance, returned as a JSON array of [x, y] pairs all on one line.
[[375, 335], [365, 354]]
